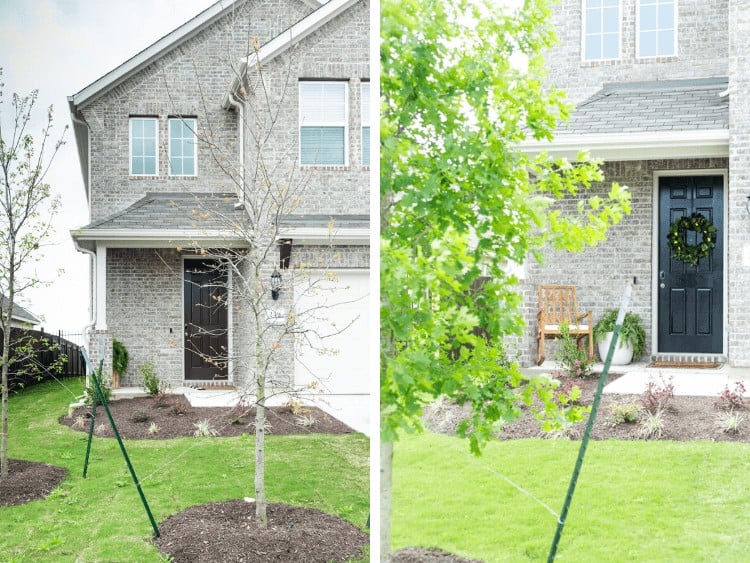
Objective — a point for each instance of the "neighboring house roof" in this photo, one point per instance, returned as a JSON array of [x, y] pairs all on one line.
[[169, 219], [19, 313], [656, 119]]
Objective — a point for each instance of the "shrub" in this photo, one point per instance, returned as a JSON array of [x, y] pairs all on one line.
[[153, 429], [657, 396], [730, 400], [628, 413], [162, 400], [305, 420], [150, 383], [631, 331], [573, 361], [204, 429], [139, 416], [653, 425], [120, 357], [89, 392], [730, 422], [80, 422]]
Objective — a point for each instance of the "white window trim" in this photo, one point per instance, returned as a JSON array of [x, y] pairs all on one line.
[[345, 123], [130, 145], [365, 118], [638, 32], [195, 147], [583, 35]]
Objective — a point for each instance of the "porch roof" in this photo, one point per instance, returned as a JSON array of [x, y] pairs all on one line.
[[326, 229], [169, 219], [647, 120]]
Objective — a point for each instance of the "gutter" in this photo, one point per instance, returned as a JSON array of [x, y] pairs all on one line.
[[231, 101]]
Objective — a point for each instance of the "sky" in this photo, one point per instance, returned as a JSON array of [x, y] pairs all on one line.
[[59, 47]]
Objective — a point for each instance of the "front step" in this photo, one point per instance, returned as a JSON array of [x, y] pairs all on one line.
[[684, 358]]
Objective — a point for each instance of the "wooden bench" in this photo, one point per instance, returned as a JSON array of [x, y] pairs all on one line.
[[558, 305]]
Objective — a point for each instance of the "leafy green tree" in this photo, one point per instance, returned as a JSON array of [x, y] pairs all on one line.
[[460, 201], [27, 208]]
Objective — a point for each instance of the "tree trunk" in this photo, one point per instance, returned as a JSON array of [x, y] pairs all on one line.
[[260, 422], [386, 490], [5, 327]]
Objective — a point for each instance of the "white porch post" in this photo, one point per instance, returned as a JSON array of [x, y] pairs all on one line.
[[100, 291]]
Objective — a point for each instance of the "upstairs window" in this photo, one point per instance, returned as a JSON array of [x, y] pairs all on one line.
[[366, 124], [323, 118], [601, 30], [182, 157], [657, 28], [144, 137]]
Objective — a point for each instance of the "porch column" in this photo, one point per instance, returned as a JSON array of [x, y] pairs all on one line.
[[100, 291]]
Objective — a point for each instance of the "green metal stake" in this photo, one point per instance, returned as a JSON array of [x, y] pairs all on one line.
[[91, 428], [589, 425], [122, 446]]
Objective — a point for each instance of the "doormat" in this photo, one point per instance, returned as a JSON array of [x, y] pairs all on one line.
[[685, 365], [214, 387]]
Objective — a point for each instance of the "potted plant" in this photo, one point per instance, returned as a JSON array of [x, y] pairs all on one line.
[[120, 359], [631, 343]]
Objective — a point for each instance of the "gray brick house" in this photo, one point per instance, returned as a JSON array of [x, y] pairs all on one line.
[[171, 158], [660, 89]]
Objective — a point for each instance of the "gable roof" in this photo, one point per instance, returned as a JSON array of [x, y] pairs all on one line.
[[19, 313], [647, 120], [169, 219]]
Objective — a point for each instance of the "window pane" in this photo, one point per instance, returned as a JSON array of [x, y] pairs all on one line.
[[611, 47], [322, 102], [366, 103], [666, 43], [666, 16], [322, 145], [188, 168], [648, 18], [175, 167], [593, 3], [648, 44], [593, 47], [612, 3], [149, 127], [366, 146], [136, 165], [188, 148], [149, 147], [593, 21], [149, 165], [136, 127], [611, 20]]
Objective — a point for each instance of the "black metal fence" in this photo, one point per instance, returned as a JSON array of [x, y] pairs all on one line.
[[35, 352]]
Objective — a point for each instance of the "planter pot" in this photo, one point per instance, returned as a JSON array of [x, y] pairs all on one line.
[[623, 353], [115, 380]]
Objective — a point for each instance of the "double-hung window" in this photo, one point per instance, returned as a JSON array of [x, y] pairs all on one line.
[[365, 124], [323, 118], [144, 140], [601, 30], [657, 28], [182, 154]]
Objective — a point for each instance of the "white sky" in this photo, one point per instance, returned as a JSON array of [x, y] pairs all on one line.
[[59, 47]]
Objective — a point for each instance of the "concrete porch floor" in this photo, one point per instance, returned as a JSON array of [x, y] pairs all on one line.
[[352, 410], [689, 382]]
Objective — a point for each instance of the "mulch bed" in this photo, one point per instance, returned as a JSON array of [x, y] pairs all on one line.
[[685, 419], [28, 481], [174, 418], [427, 555], [229, 531]]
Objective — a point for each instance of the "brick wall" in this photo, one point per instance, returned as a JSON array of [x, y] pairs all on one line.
[[702, 48]]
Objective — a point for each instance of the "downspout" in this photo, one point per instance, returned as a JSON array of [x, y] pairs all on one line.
[[240, 108]]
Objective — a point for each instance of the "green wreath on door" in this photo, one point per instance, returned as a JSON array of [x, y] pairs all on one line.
[[687, 253]]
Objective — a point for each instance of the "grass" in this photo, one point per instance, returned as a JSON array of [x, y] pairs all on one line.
[[101, 518], [635, 501]]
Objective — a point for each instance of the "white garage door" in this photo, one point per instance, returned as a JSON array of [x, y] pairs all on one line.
[[335, 353]]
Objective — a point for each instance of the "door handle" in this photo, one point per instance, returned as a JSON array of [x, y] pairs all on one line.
[[662, 285], [662, 275]]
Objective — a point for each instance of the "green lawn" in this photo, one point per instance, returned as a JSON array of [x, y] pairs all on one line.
[[101, 518], [635, 501]]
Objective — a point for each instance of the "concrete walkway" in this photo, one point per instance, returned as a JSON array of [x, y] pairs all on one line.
[[352, 410], [689, 382]]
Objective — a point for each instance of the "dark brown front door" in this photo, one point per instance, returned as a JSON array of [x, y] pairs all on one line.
[[205, 320], [691, 297]]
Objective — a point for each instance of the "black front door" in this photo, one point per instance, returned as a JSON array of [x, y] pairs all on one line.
[[691, 297], [205, 320]]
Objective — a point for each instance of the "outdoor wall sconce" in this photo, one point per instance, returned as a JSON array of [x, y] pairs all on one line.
[[275, 284], [747, 205]]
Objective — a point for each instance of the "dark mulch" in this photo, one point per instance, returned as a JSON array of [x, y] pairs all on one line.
[[685, 419], [427, 555], [29, 480], [134, 418], [228, 531]]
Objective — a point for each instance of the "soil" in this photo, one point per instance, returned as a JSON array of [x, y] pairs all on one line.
[[229, 531], [29, 480], [684, 419], [427, 555], [221, 531], [174, 418]]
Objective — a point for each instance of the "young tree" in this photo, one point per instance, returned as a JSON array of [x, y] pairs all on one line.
[[459, 202], [27, 208]]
